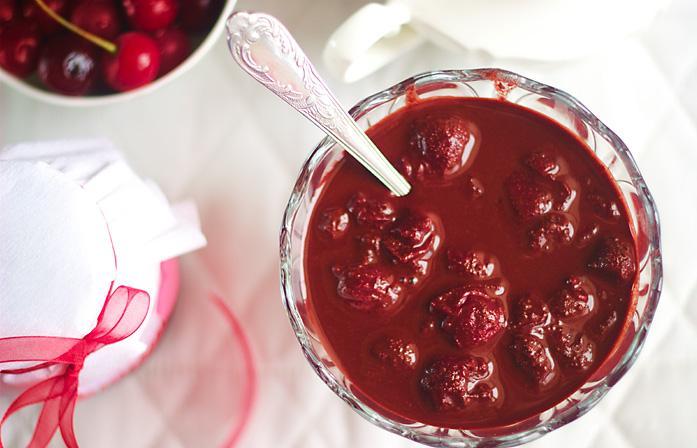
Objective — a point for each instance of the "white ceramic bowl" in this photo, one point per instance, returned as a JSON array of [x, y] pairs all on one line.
[[46, 96]]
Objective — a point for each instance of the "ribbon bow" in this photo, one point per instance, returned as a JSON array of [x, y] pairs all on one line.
[[123, 313]]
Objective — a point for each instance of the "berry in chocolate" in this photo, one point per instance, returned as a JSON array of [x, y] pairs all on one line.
[[573, 350], [396, 352], [450, 382], [441, 143], [614, 258], [471, 316], [474, 264], [371, 212], [366, 287], [529, 197], [528, 312], [543, 164], [410, 239], [533, 358], [552, 231], [575, 299]]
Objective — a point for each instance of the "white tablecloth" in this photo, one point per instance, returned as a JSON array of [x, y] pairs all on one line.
[[216, 136]]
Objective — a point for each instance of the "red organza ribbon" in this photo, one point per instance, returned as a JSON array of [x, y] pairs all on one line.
[[123, 313]]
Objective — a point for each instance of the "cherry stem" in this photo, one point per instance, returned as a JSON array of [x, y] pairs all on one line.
[[103, 43]]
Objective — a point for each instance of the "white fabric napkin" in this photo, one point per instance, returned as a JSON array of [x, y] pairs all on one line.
[[75, 217]]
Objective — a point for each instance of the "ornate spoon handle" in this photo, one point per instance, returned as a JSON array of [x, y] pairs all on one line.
[[264, 48]]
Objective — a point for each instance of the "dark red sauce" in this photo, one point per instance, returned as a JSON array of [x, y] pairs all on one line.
[[494, 289]]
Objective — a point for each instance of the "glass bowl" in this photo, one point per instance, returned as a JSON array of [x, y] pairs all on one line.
[[564, 109]]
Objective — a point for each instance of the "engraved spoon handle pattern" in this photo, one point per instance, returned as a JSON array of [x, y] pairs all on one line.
[[264, 49]]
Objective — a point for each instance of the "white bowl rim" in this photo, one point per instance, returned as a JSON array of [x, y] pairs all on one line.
[[112, 98]]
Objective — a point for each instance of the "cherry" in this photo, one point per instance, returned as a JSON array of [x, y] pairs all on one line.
[[411, 238], [449, 381], [396, 352], [543, 164], [554, 230], [528, 197], [441, 142], [471, 263], [334, 222], [174, 49], [8, 10], [614, 258], [199, 15], [575, 299], [472, 317], [135, 63], [529, 311], [533, 358], [371, 212], [478, 321], [99, 17], [47, 25], [68, 65], [19, 48], [574, 351], [150, 15], [366, 287]]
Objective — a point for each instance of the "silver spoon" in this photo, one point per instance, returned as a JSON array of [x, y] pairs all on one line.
[[264, 48]]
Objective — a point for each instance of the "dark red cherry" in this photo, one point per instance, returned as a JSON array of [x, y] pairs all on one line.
[[450, 382], [135, 63], [441, 142], [8, 11], [150, 15], [32, 12], [376, 213], [396, 352], [99, 17], [19, 48], [366, 287], [68, 64], [528, 197], [615, 257], [532, 356], [199, 15], [174, 48]]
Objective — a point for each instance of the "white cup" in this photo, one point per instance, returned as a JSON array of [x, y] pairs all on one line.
[[549, 30]]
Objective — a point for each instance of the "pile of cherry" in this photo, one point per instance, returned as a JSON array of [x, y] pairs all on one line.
[[102, 45]]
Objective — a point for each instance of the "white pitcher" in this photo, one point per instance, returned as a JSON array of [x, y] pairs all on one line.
[[529, 29]]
